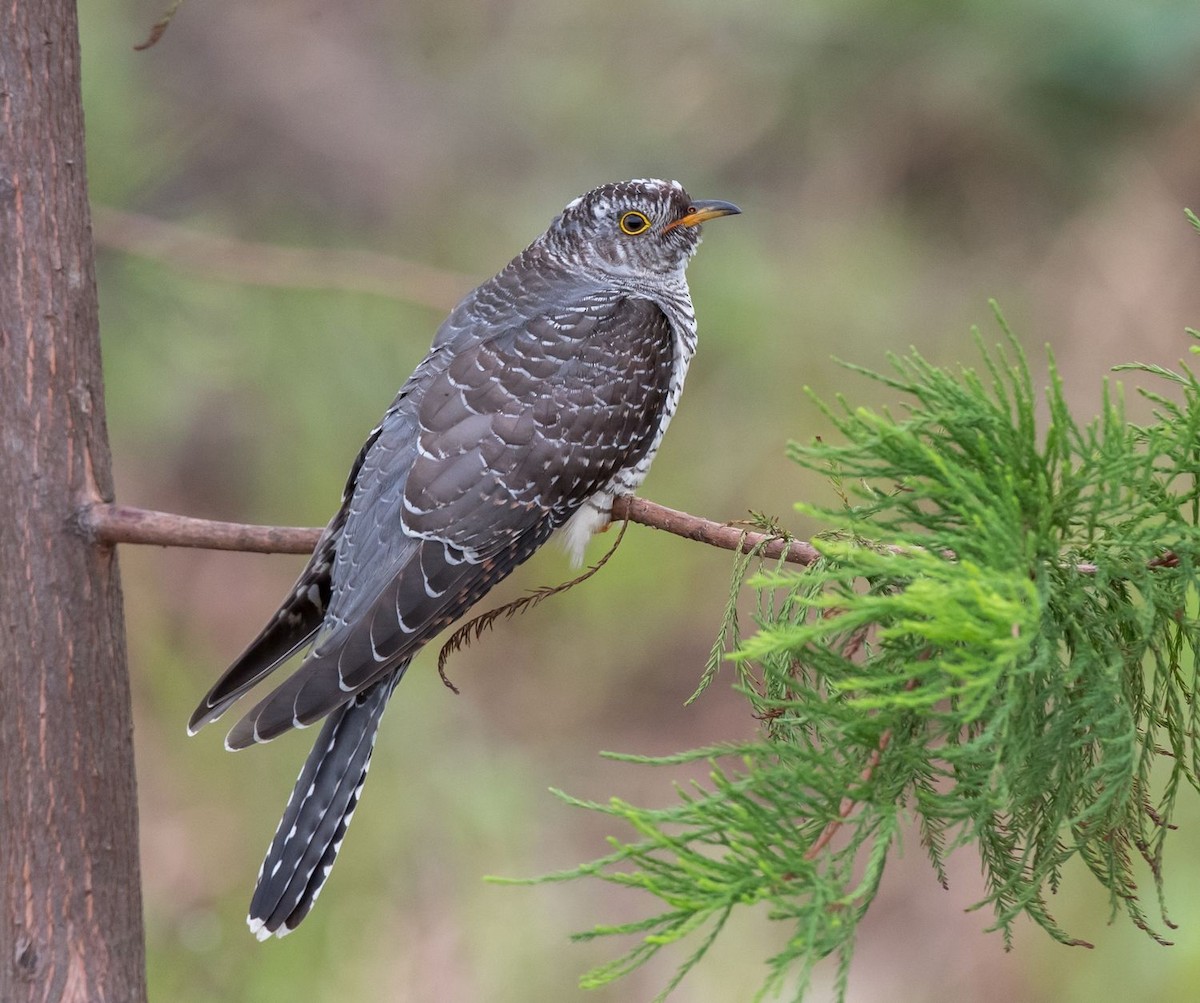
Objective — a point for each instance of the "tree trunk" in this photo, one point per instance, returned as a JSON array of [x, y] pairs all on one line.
[[72, 920]]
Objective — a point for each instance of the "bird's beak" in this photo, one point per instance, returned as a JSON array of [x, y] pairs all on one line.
[[701, 210]]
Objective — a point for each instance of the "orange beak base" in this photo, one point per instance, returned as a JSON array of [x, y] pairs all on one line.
[[702, 210]]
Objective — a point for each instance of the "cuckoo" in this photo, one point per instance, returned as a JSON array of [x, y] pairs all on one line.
[[545, 395]]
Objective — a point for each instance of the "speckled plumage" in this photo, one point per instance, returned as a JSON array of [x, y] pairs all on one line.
[[546, 393]]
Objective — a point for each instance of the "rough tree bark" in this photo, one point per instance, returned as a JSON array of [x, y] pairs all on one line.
[[71, 928]]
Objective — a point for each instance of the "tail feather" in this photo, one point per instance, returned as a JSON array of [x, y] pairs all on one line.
[[293, 626], [318, 813]]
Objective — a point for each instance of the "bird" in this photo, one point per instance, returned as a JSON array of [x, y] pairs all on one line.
[[545, 394]]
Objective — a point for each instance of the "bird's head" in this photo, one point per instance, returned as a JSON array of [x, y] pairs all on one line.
[[634, 227]]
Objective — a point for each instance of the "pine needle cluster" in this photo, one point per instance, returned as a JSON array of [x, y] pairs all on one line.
[[999, 642]]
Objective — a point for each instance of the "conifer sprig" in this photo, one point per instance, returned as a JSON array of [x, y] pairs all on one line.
[[998, 643]]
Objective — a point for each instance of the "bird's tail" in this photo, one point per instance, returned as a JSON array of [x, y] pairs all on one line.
[[318, 812]]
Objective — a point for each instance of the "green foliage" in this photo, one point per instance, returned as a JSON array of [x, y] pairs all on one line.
[[998, 643]]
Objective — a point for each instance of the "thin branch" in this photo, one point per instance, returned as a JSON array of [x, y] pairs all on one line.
[[122, 524], [727, 536], [158, 29], [848, 802], [106, 523], [228, 260], [868, 771]]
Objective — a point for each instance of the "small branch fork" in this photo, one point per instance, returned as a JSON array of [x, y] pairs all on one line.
[[849, 802], [107, 523]]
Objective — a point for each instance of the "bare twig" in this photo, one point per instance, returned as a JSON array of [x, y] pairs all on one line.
[[245, 263], [715, 534], [159, 27], [122, 524], [473, 629], [107, 523]]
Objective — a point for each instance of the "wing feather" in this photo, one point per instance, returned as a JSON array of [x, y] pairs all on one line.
[[494, 448]]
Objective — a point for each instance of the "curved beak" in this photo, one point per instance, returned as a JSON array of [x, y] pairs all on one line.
[[701, 210]]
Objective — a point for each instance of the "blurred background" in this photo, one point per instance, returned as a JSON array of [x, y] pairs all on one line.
[[897, 164]]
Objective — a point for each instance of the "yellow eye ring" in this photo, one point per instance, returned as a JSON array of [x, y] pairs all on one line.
[[634, 222]]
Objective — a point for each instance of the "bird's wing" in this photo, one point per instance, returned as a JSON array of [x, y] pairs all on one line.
[[293, 626], [495, 447], [299, 619]]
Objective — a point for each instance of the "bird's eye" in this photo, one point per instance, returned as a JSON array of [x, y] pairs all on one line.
[[634, 222]]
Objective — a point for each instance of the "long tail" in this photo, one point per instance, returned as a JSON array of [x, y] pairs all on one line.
[[318, 812]]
